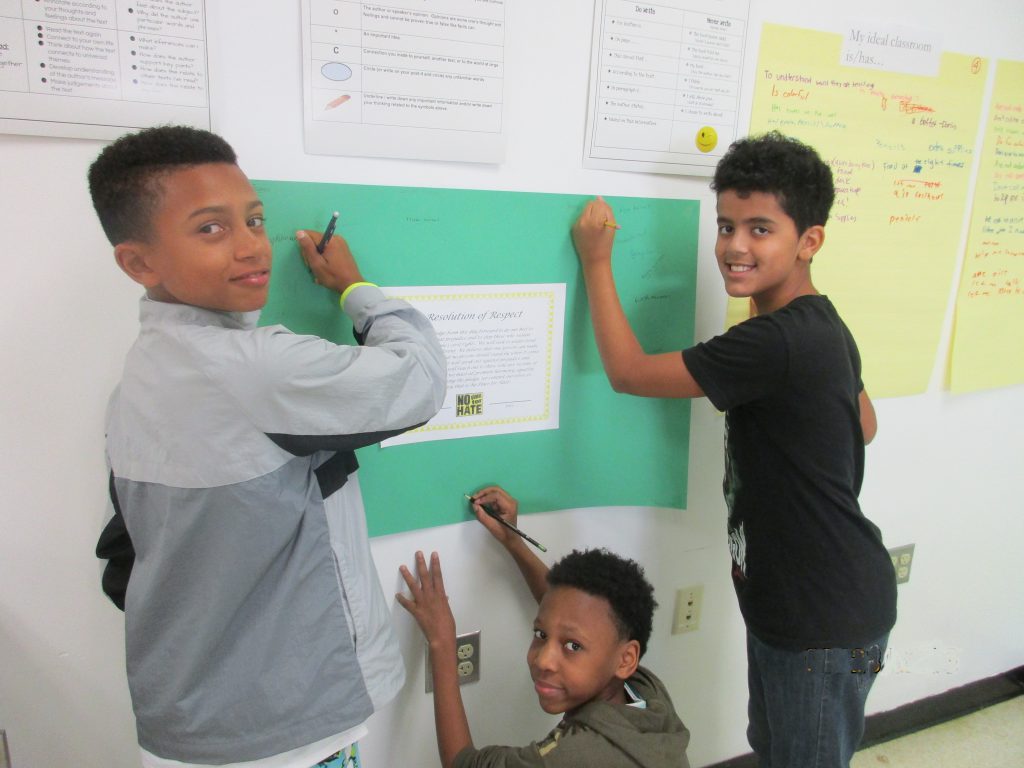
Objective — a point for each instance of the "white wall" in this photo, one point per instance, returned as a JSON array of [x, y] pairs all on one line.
[[943, 472]]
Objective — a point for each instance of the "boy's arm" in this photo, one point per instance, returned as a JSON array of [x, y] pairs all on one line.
[[429, 606], [868, 420], [628, 367], [308, 394], [534, 571]]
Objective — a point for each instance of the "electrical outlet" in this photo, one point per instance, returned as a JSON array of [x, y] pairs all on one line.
[[688, 605], [467, 660], [465, 651], [902, 559]]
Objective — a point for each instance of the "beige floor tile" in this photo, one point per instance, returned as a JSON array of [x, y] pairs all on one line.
[[990, 738]]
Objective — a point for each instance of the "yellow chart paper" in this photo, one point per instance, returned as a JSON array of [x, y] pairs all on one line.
[[900, 147], [988, 338]]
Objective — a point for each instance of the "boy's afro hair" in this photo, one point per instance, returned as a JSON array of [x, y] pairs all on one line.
[[781, 166], [618, 580], [124, 178]]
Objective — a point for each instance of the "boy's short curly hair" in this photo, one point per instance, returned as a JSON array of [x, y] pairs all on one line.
[[124, 180], [618, 580], [782, 166]]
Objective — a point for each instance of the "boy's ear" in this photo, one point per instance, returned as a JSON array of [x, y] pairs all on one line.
[[629, 659], [132, 257], [811, 241]]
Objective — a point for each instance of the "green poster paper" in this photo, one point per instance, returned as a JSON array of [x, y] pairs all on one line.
[[610, 449]]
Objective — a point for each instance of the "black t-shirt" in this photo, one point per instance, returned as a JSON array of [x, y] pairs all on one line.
[[810, 569]]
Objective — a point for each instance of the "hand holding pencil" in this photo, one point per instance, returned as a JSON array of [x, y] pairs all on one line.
[[498, 512], [328, 257], [593, 234]]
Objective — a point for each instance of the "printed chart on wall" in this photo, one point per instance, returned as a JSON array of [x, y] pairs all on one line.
[[900, 141], [503, 345], [97, 69], [502, 297], [419, 79], [664, 84], [989, 329]]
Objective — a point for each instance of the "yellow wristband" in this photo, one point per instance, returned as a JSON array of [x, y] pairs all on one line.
[[347, 291]]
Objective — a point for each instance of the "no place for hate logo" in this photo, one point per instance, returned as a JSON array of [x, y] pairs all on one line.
[[471, 404]]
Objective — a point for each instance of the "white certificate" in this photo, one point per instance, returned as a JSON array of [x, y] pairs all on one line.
[[418, 79], [96, 69], [665, 84], [503, 344]]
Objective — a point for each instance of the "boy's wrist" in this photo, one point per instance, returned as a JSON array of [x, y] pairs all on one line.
[[442, 647], [351, 287], [514, 544], [592, 266]]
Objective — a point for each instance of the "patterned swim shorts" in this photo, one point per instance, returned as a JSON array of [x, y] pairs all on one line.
[[343, 758]]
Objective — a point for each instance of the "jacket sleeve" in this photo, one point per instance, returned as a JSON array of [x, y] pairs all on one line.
[[308, 394], [499, 757], [115, 546]]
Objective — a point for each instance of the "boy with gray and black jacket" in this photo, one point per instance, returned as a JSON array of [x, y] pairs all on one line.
[[256, 627]]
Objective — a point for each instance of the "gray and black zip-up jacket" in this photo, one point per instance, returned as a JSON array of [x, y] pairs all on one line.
[[255, 622]]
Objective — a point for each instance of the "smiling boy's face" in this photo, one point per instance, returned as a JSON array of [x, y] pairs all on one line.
[[207, 245], [759, 251], [577, 654]]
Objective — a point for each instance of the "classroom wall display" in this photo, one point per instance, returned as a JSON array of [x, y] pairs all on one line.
[[609, 449], [901, 148], [989, 326], [665, 84], [503, 346], [404, 79], [97, 69]]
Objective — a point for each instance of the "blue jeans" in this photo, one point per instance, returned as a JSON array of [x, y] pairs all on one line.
[[806, 708]]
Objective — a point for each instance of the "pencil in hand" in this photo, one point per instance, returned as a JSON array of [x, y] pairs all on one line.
[[494, 513]]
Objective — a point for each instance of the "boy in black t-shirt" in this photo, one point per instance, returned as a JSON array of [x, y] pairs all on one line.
[[814, 581]]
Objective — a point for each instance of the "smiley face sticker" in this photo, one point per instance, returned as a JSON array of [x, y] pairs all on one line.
[[707, 139]]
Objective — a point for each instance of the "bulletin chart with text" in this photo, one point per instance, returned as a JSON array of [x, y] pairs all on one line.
[[607, 449], [97, 68], [989, 332], [407, 79], [901, 149]]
